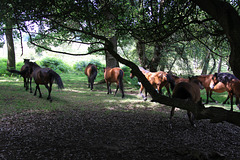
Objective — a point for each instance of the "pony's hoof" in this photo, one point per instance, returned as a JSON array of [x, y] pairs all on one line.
[[144, 99], [51, 100]]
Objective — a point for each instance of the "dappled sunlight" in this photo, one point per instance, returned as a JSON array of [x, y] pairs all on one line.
[[73, 90]]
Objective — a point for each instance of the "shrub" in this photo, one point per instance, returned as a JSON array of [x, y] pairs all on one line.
[[81, 65], [3, 67], [56, 64]]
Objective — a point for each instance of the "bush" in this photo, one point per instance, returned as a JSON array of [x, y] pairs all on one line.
[[81, 65], [3, 67], [56, 64]]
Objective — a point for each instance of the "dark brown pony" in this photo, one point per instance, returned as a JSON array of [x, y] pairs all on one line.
[[45, 76], [114, 75], [190, 91], [25, 72], [91, 73], [157, 79], [231, 83], [219, 88]]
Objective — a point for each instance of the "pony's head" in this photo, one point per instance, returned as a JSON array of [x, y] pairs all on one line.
[[196, 81], [214, 80], [131, 74]]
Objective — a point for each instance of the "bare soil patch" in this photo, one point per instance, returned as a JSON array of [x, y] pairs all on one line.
[[78, 134]]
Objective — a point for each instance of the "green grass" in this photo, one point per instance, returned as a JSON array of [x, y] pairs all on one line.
[[76, 96]]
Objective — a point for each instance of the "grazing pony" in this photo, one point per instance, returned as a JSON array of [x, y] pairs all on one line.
[[157, 79], [45, 76], [189, 91], [114, 75], [25, 72], [91, 73], [231, 83]]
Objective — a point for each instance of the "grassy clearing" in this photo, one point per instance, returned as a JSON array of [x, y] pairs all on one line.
[[76, 96]]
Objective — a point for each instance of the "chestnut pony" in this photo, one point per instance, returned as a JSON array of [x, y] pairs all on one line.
[[219, 88], [114, 75], [45, 76], [157, 79], [190, 91], [231, 83], [91, 73], [25, 72]]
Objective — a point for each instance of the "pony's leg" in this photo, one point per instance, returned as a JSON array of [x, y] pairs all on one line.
[[171, 115], [49, 91], [237, 102], [24, 82], [191, 118], [110, 91], [141, 89], [38, 88], [116, 89], [40, 94], [30, 83], [108, 86], [231, 101], [35, 93], [168, 90], [226, 100], [89, 82], [210, 95]]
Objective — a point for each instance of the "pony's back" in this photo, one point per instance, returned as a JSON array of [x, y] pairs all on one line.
[[187, 90]]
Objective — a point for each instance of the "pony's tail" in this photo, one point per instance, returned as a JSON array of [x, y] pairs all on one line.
[[120, 78], [171, 81], [94, 73], [19, 72], [57, 79]]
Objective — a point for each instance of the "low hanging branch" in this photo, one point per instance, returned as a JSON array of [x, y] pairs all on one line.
[[215, 114]]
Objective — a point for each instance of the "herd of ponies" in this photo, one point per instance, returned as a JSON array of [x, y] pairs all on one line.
[[183, 88]]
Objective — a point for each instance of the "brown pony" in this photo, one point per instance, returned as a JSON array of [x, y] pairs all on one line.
[[231, 83], [219, 88], [45, 76], [25, 72], [179, 79], [114, 75], [91, 73], [157, 79], [187, 90]]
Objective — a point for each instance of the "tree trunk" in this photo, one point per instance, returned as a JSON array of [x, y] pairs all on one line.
[[206, 63], [219, 65], [11, 64], [153, 65], [141, 54], [110, 60], [229, 19]]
